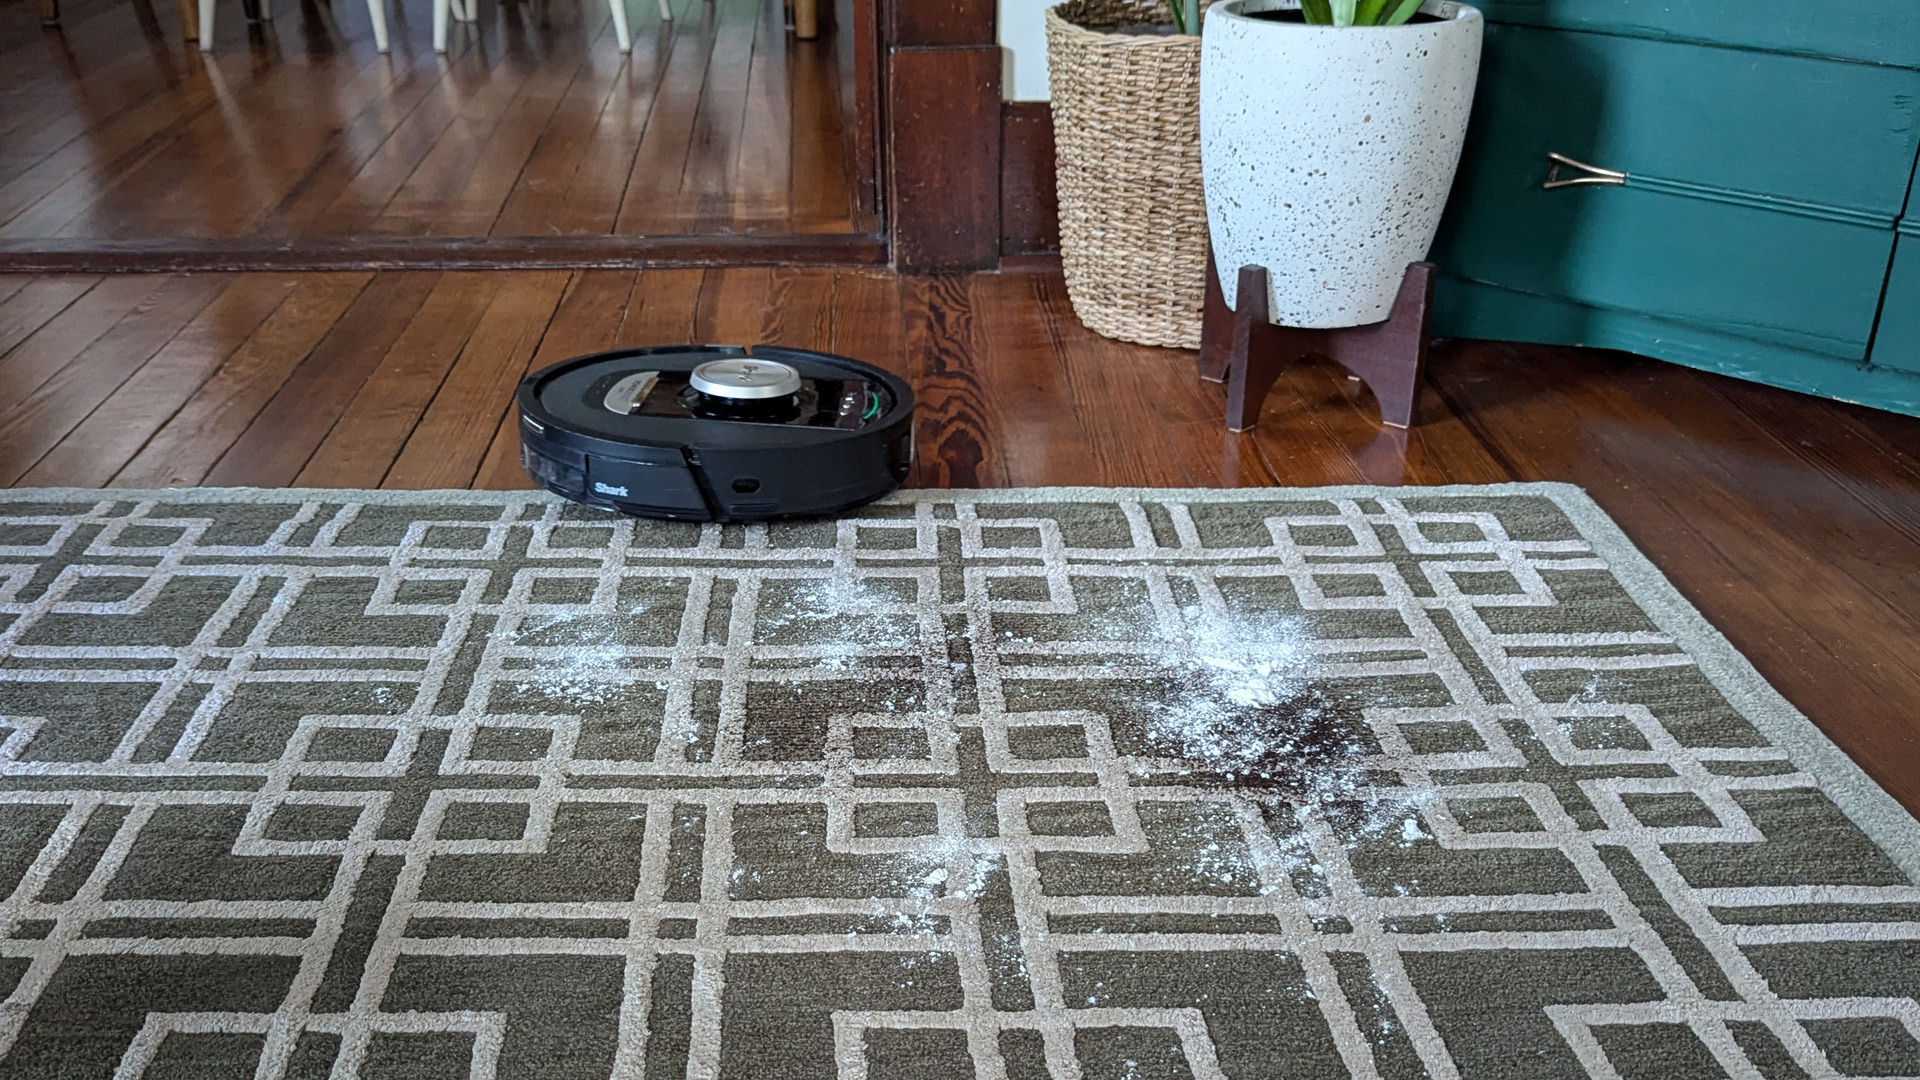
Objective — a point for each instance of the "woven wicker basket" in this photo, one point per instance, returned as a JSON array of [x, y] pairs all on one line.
[[1133, 218]]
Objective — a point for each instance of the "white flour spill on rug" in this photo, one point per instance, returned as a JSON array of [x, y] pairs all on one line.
[[1238, 706], [584, 673], [1242, 706]]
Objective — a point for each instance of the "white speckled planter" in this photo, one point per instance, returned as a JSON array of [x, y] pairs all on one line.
[[1328, 151]]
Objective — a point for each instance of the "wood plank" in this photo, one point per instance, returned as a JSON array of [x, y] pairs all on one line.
[[661, 158], [410, 100], [704, 201], [448, 445], [363, 443], [585, 322], [731, 307], [117, 140], [866, 319], [383, 253], [33, 425], [1849, 451], [458, 153], [956, 437], [821, 190], [211, 152], [195, 437], [109, 437], [68, 334], [35, 303], [1438, 450], [280, 440], [606, 169], [381, 175], [761, 174], [10, 286], [1124, 421], [799, 309], [220, 172], [944, 131], [661, 309], [501, 161], [1044, 438], [538, 200]]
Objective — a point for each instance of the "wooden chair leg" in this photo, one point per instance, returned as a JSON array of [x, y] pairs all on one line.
[[189, 19], [49, 12], [806, 19]]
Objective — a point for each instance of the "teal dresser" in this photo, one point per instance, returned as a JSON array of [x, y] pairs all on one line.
[[1749, 205]]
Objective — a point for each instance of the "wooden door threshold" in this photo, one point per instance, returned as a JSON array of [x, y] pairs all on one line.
[[406, 253]]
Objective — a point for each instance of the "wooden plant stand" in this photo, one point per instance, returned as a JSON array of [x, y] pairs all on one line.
[[1245, 350]]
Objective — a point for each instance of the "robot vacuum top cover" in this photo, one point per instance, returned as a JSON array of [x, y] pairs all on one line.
[[716, 433]]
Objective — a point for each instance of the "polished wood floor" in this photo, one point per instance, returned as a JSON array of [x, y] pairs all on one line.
[[1793, 523], [534, 125]]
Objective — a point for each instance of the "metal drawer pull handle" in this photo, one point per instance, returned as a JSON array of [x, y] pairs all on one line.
[[1595, 174]]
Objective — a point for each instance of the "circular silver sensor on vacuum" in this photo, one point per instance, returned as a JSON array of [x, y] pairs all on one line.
[[745, 379]]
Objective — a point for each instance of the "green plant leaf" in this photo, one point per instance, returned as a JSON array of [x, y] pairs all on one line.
[[1178, 9], [1401, 12], [1342, 12], [1317, 12], [1368, 12]]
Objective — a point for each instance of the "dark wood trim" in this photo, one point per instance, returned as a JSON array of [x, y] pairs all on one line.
[[943, 139], [396, 253], [859, 37], [922, 23], [1029, 198], [1047, 262]]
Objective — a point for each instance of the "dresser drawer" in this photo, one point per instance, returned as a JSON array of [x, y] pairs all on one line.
[[1803, 282], [1873, 31], [1759, 195], [1896, 346], [1728, 120]]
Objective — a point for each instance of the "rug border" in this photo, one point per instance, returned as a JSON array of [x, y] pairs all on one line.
[[1866, 803]]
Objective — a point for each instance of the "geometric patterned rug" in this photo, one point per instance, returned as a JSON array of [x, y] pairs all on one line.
[[1069, 783]]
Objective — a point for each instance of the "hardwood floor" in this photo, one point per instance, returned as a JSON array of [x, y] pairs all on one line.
[[1793, 523], [534, 125]]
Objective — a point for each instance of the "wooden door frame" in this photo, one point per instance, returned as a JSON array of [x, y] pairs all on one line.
[[938, 132]]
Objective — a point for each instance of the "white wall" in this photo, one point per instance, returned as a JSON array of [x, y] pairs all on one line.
[[1023, 44]]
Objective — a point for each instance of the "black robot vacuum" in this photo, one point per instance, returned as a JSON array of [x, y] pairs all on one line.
[[716, 432]]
